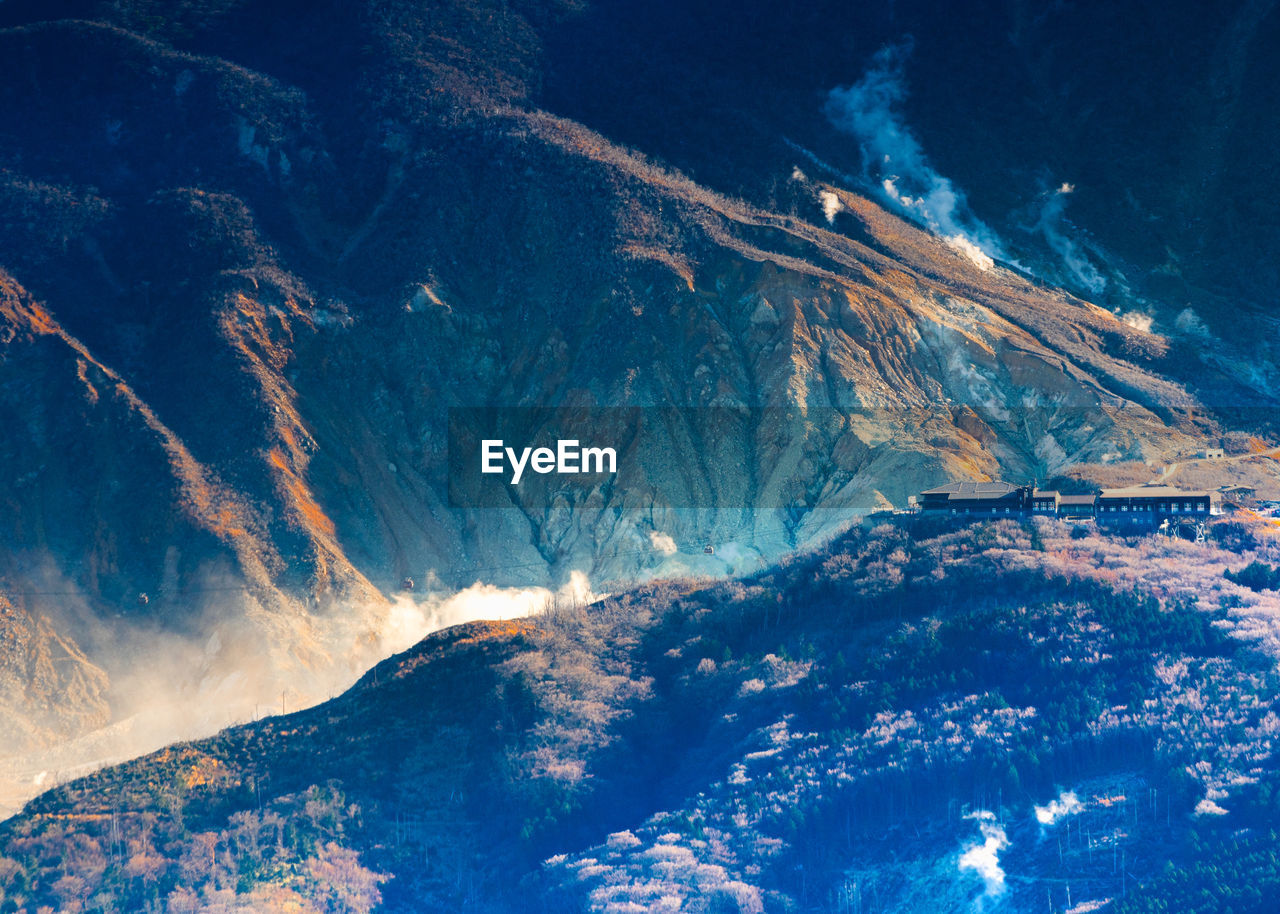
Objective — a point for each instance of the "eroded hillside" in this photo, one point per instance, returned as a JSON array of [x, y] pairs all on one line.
[[250, 255]]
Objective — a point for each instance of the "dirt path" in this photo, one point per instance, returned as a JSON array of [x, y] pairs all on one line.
[[1172, 469]]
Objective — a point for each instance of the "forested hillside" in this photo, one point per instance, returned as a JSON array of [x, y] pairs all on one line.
[[910, 713]]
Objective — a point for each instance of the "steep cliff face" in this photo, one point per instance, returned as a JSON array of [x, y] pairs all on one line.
[[285, 288], [45, 673], [252, 253], [51, 693]]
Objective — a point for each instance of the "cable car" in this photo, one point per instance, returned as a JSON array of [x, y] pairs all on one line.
[[143, 599], [406, 584], [708, 549]]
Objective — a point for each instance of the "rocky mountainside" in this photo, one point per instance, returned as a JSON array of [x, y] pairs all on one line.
[[1125, 150], [295, 273], [251, 253], [1000, 716]]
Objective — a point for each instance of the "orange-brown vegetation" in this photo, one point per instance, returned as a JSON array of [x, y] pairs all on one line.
[[985, 655]]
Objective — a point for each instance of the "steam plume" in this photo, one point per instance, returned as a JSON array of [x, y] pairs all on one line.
[[250, 662], [663, 542], [894, 161], [1138, 321], [984, 858], [1052, 224], [830, 205], [1067, 804], [1192, 324]]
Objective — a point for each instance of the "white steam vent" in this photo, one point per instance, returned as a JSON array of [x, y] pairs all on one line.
[[983, 857], [894, 161]]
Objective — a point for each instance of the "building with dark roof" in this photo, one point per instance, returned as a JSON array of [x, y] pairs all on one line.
[[1045, 501], [1238, 494], [980, 498], [1151, 504], [1148, 504], [1076, 506]]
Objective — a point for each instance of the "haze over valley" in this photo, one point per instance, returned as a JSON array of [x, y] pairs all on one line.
[[269, 270]]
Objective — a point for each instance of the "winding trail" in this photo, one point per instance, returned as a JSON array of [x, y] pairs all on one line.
[[1172, 469]]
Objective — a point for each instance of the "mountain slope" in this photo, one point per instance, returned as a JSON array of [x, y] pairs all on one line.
[[1156, 119], [330, 264], [855, 721], [251, 254]]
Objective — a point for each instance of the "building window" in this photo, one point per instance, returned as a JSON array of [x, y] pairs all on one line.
[[1186, 506]]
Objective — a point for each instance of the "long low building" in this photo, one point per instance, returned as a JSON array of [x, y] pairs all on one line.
[[1135, 504], [1141, 502]]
